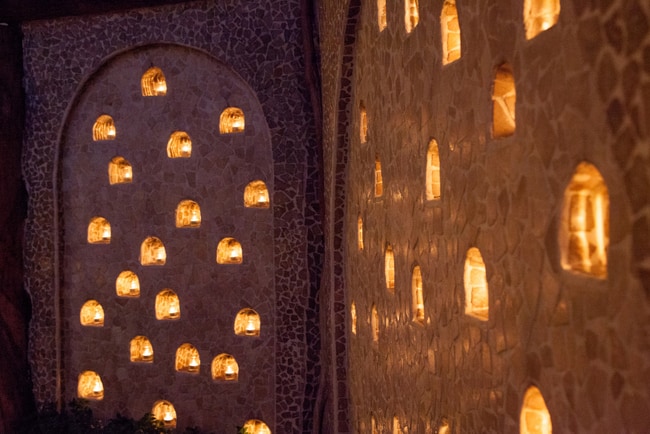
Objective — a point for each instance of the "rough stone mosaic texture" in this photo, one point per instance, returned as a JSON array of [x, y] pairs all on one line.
[[581, 95], [261, 44]]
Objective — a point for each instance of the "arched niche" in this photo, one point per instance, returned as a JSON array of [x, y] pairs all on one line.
[[225, 368], [104, 128], [141, 350], [99, 231], [168, 305], [90, 386], [188, 359], [179, 145], [229, 251], [450, 32], [127, 284], [256, 195], [188, 214], [256, 426], [92, 314], [152, 252], [247, 323], [164, 412], [153, 82], [476, 286], [232, 121]]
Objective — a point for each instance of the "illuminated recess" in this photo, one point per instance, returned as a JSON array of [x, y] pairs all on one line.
[[187, 359], [373, 425], [168, 306], [164, 412], [353, 318], [225, 368], [534, 417], [360, 232], [443, 428], [127, 284], [476, 287], [450, 32], [92, 314], [433, 171], [231, 121], [247, 323], [504, 98], [382, 22], [396, 426], [153, 82], [229, 252], [256, 195], [141, 350], [152, 252], [188, 214], [363, 123], [389, 268], [418, 298], [120, 171], [379, 183], [179, 145], [411, 15], [540, 15], [255, 426], [104, 128], [584, 226], [99, 231], [90, 386], [374, 323]]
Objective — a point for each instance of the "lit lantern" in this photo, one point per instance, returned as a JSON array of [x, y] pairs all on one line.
[[225, 368], [91, 314], [168, 306], [99, 231], [119, 171], [152, 252], [534, 417], [231, 121], [141, 350], [153, 82], [127, 284], [90, 386], [104, 128], [229, 251], [164, 412], [247, 323], [179, 145], [255, 426], [256, 195], [188, 214], [187, 359]]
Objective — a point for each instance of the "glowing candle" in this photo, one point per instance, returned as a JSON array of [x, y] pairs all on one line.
[[237, 123], [160, 86], [98, 316], [147, 352], [185, 147], [134, 286], [97, 388], [160, 254], [128, 174], [194, 217], [230, 373], [194, 364], [111, 132], [173, 310], [263, 198], [250, 327], [168, 417], [234, 255], [106, 233]]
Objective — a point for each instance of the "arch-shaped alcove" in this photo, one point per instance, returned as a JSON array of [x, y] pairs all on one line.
[[179, 145], [450, 32], [99, 231], [152, 252], [374, 323], [256, 426], [379, 181], [224, 368], [363, 123], [141, 350], [247, 323], [90, 386], [256, 195], [91, 314], [353, 318], [432, 179], [120, 171], [153, 82], [540, 15], [360, 232], [188, 214], [417, 295], [232, 121], [188, 359], [476, 286], [534, 417], [584, 223], [104, 128], [389, 268], [164, 412], [411, 15], [127, 284], [168, 305], [229, 251]]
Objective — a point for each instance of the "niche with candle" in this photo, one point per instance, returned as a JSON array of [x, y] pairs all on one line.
[[255, 426], [540, 15], [247, 323], [389, 268], [99, 231], [92, 314], [141, 350], [256, 195], [153, 82], [104, 128], [417, 296], [476, 287], [188, 214], [534, 417], [179, 145], [411, 15], [152, 252], [433, 171], [231, 121], [379, 183], [374, 323], [187, 359], [168, 305], [127, 284], [229, 251], [363, 123], [90, 386], [360, 232], [120, 171], [225, 368], [450, 32], [382, 22], [165, 413], [353, 318], [584, 226], [504, 97], [397, 429]]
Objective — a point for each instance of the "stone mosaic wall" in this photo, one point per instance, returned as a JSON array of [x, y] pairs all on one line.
[[260, 44], [581, 91]]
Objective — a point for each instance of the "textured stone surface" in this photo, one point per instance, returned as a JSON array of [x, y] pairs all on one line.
[[581, 340], [259, 44]]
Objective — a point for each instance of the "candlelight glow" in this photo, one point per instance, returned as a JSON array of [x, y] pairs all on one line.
[[450, 31], [418, 298], [99, 231], [152, 252], [188, 214], [90, 386], [534, 417], [187, 359], [256, 195], [164, 412], [374, 323], [379, 183], [389, 268], [476, 287], [504, 97], [91, 314], [433, 172], [119, 171], [353, 318], [229, 251], [104, 128], [231, 121], [360, 233], [141, 350], [153, 82], [411, 15], [363, 123], [540, 15], [381, 15], [247, 323], [224, 368], [168, 306], [179, 145], [255, 426]]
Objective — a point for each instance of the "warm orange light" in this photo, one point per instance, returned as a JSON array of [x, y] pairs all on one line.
[[179, 145], [229, 251], [247, 323], [99, 231], [363, 123], [256, 195], [104, 128], [225, 368], [450, 30], [381, 15], [119, 171], [232, 121], [153, 82], [187, 359], [360, 233], [255, 426], [540, 15], [91, 314], [90, 386], [188, 214], [476, 287], [152, 252], [141, 350], [164, 412], [127, 284], [433, 172], [168, 306], [534, 417], [418, 298], [504, 97], [389, 268], [379, 183], [353, 318], [411, 15], [374, 323]]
